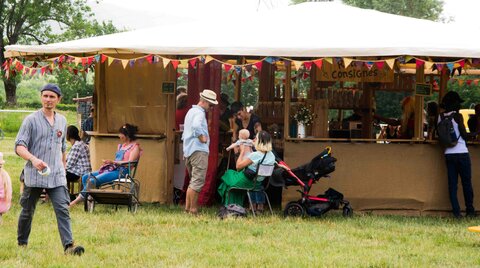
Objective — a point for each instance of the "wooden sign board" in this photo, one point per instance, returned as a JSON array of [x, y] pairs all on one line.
[[336, 72], [168, 87], [423, 89]]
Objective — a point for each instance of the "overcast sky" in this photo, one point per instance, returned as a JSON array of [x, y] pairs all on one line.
[[144, 13]]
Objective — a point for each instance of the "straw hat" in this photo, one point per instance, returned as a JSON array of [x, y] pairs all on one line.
[[1, 159], [209, 96]]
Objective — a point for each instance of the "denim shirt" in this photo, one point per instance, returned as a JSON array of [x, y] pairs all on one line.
[[194, 126]]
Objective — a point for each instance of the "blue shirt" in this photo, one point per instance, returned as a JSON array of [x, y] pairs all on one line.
[[256, 157], [195, 125]]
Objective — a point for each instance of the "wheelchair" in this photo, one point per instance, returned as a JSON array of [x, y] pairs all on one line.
[[122, 191]]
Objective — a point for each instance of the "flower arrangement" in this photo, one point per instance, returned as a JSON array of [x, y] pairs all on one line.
[[304, 115]]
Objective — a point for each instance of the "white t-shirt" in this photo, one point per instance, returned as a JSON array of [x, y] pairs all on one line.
[[461, 146]]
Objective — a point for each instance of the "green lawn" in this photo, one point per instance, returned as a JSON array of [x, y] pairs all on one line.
[[162, 235]]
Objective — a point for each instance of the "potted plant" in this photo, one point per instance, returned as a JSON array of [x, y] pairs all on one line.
[[304, 117]]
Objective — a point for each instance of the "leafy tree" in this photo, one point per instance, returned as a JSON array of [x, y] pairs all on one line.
[[31, 21]]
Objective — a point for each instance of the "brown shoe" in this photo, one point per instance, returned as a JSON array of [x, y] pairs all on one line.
[[74, 250]]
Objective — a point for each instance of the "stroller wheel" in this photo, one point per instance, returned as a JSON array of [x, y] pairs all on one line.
[[347, 210], [294, 209]]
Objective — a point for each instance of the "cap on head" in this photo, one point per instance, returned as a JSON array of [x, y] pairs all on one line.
[[210, 96], [52, 87], [451, 97]]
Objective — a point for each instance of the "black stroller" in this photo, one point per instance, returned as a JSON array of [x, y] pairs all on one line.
[[305, 176]]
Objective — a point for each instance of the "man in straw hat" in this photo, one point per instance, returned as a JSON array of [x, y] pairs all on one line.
[[41, 142], [196, 144]]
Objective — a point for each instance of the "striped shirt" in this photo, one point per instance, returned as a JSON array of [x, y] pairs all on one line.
[[47, 143], [78, 159]]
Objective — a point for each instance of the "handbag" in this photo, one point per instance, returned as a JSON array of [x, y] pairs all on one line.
[[107, 168], [250, 174]]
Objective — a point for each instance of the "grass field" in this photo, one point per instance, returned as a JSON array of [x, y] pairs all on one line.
[[163, 236]]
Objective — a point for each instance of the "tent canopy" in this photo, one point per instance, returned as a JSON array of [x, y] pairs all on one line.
[[312, 29]]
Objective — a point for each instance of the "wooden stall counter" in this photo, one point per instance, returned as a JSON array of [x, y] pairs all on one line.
[[395, 178]]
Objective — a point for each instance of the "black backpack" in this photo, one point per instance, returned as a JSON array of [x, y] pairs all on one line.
[[446, 132]]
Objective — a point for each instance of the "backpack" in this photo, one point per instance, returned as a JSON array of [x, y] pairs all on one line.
[[446, 132], [232, 210]]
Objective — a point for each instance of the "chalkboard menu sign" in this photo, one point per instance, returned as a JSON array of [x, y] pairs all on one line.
[[168, 87], [423, 89]]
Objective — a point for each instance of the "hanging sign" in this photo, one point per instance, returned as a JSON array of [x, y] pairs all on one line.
[[336, 72], [168, 87], [423, 89]]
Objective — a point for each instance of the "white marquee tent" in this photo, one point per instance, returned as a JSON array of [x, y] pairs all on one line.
[[314, 29]]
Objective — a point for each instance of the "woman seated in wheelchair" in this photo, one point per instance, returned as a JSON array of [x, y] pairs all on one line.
[[246, 171], [129, 150]]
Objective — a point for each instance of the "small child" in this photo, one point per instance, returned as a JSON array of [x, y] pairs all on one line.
[[243, 139], [5, 189]]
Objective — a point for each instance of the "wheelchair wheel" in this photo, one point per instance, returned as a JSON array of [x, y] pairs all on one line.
[[347, 210], [294, 209], [133, 206]]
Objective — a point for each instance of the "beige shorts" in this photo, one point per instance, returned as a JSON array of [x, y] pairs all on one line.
[[197, 165]]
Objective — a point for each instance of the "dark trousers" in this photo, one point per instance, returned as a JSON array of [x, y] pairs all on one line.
[[60, 200], [459, 164]]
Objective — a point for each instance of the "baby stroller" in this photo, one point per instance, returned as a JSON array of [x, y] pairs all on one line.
[[305, 176]]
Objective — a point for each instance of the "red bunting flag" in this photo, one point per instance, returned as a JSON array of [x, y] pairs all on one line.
[[175, 63], [19, 66], [380, 64], [90, 60], [42, 70], [75, 71], [149, 58], [258, 65], [305, 75], [227, 67], [104, 58], [461, 63], [469, 82], [475, 82], [84, 61], [61, 58], [419, 63], [308, 65], [319, 63], [193, 62]]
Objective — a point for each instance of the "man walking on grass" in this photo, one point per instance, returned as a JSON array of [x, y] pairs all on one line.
[[41, 141], [196, 144]]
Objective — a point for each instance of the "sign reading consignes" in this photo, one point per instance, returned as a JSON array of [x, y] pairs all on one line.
[[336, 72]]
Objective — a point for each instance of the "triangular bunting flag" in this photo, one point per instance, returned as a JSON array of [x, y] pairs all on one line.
[[42, 71], [408, 58], [450, 66], [298, 64], [227, 67], [165, 62], [125, 63], [149, 58], [308, 65], [75, 71], [439, 66], [84, 61], [193, 62], [131, 63], [90, 60], [238, 69], [380, 64], [140, 60], [460, 82], [319, 63], [428, 65], [271, 60], [469, 82], [258, 64], [461, 63], [475, 82], [175, 63], [305, 76], [183, 64], [97, 58], [369, 64], [347, 62], [104, 58], [390, 63], [329, 60], [208, 59], [110, 61], [419, 63]]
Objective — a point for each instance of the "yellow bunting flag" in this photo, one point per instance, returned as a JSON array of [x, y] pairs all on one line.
[[110, 60], [77, 60], [347, 62], [428, 65], [208, 59], [183, 64], [390, 63], [165, 62], [329, 60], [124, 63], [460, 82], [408, 58], [298, 64]]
